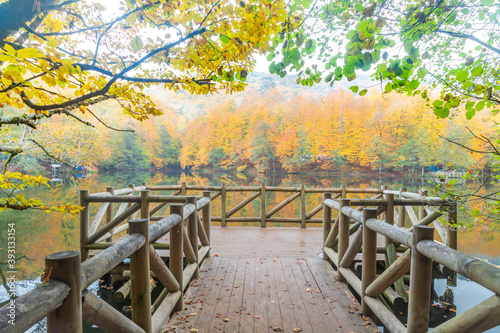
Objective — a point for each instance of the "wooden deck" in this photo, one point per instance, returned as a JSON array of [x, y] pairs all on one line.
[[268, 280]]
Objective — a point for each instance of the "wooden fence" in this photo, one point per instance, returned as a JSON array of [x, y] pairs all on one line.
[[267, 215], [69, 275], [417, 251]]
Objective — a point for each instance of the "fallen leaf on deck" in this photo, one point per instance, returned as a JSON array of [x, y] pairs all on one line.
[[297, 329], [277, 329], [308, 290], [193, 330], [326, 312], [193, 314], [226, 320], [256, 316]]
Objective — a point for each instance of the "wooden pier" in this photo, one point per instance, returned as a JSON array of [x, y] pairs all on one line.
[[169, 260], [268, 280]]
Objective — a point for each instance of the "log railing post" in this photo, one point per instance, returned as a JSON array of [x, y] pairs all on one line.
[[383, 188], [343, 243], [402, 211], [302, 206], [131, 186], [327, 221], [84, 223], [369, 272], [344, 191], [65, 267], [110, 212], [192, 227], [421, 209], [176, 251], [206, 212], [139, 275], [145, 205], [263, 205], [420, 282], [451, 238], [389, 214], [183, 188], [223, 205]]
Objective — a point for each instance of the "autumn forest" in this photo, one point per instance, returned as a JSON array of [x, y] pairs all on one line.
[[270, 128]]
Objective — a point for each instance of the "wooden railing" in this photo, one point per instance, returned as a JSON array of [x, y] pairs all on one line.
[[60, 298], [417, 251], [266, 215]]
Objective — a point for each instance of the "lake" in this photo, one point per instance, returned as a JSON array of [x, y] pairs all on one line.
[[39, 234]]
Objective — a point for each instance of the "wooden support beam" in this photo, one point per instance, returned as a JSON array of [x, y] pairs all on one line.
[[188, 248], [84, 223], [110, 212], [96, 221], [192, 227], [99, 313], [369, 256], [176, 257], [100, 264], [164, 309], [399, 284], [242, 204], [108, 227], [385, 315], [161, 271], [223, 205], [420, 283], [353, 249], [139, 269], [263, 205], [207, 222], [327, 221], [282, 204], [201, 232], [343, 234], [302, 206]]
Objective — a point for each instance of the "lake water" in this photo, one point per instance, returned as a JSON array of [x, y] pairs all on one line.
[[39, 234]]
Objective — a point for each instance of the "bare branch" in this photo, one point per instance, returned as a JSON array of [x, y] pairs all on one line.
[[116, 77]]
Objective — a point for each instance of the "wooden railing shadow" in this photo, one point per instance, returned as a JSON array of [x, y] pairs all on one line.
[[417, 250]]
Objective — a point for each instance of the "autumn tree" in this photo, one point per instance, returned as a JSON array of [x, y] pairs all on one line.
[[63, 57], [452, 46]]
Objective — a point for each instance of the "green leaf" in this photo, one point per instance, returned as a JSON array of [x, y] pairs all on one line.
[[270, 56], [354, 89], [480, 106], [477, 71], [470, 113], [487, 2], [388, 87], [350, 35], [437, 103], [462, 75], [414, 84], [272, 68], [363, 92], [329, 77], [136, 44], [224, 39]]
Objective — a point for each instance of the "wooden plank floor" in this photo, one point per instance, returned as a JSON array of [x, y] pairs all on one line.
[[268, 280]]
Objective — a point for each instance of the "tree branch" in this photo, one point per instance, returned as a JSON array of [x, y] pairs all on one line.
[[470, 37], [116, 77]]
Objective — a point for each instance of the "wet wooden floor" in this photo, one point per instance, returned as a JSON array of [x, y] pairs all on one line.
[[268, 280]]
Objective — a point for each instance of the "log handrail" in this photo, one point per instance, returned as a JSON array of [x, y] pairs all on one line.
[[420, 253], [44, 300]]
